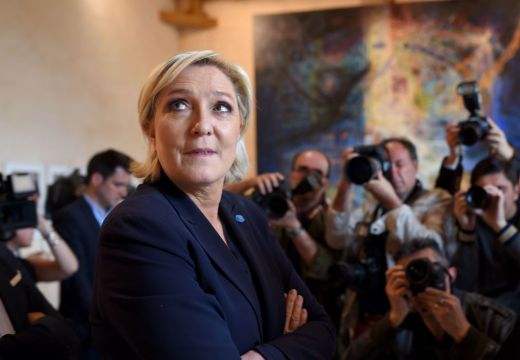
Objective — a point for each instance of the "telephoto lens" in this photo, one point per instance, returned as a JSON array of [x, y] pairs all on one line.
[[361, 169], [477, 197], [309, 183]]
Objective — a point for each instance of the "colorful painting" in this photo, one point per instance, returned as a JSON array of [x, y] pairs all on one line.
[[338, 78]]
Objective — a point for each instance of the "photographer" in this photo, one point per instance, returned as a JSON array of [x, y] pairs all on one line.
[[399, 210], [451, 171], [39, 266], [301, 228], [428, 319], [29, 328], [488, 252]]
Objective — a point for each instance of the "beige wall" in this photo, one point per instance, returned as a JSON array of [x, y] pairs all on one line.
[[70, 73], [233, 37]]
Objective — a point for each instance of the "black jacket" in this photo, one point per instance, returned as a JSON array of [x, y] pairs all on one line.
[[48, 338], [494, 334], [77, 226]]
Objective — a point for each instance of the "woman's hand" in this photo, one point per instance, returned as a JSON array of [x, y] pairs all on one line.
[[33, 317], [252, 355], [295, 313]]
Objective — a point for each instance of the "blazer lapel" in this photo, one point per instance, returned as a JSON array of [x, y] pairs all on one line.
[[241, 226], [211, 242]]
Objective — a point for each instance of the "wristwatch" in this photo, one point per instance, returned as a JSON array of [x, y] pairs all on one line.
[[295, 232]]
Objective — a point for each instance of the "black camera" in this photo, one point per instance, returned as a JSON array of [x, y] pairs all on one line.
[[274, 204], [371, 159], [353, 274], [476, 126], [477, 197], [422, 273], [366, 278], [16, 211]]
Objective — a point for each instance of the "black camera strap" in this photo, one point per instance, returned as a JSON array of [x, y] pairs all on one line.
[[372, 297]]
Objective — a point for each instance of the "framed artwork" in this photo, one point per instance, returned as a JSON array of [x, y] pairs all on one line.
[[338, 78]]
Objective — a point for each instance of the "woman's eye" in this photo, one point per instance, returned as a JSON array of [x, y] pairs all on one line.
[[177, 105], [222, 107]]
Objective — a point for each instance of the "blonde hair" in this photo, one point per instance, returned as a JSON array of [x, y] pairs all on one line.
[[163, 76]]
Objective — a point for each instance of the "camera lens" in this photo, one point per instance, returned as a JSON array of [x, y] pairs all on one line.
[[276, 207], [477, 197], [274, 204], [469, 134], [361, 169], [419, 274], [309, 183], [472, 131]]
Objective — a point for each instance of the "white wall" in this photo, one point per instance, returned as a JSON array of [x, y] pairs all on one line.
[[70, 73]]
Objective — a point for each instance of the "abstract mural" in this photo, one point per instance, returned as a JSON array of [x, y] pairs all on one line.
[[337, 78]]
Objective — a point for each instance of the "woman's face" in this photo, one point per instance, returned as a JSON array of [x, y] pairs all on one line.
[[197, 127]]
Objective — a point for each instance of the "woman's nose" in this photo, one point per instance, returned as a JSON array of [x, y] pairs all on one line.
[[202, 125]]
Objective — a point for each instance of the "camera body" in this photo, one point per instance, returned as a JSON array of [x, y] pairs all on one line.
[[274, 204], [477, 197], [475, 128], [364, 272], [371, 159], [422, 273], [16, 211]]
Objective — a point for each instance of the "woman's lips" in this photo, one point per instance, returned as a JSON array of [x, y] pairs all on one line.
[[201, 152]]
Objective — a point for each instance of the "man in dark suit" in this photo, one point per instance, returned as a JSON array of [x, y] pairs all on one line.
[[30, 328], [107, 183]]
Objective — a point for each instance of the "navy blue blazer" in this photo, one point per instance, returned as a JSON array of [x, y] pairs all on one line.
[[77, 226], [167, 287], [50, 337]]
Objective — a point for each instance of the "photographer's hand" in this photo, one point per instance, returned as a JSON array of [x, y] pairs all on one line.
[[289, 221], [340, 202], [383, 191], [494, 214], [497, 142], [306, 246], [265, 183], [447, 312], [452, 139], [397, 289], [463, 213]]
